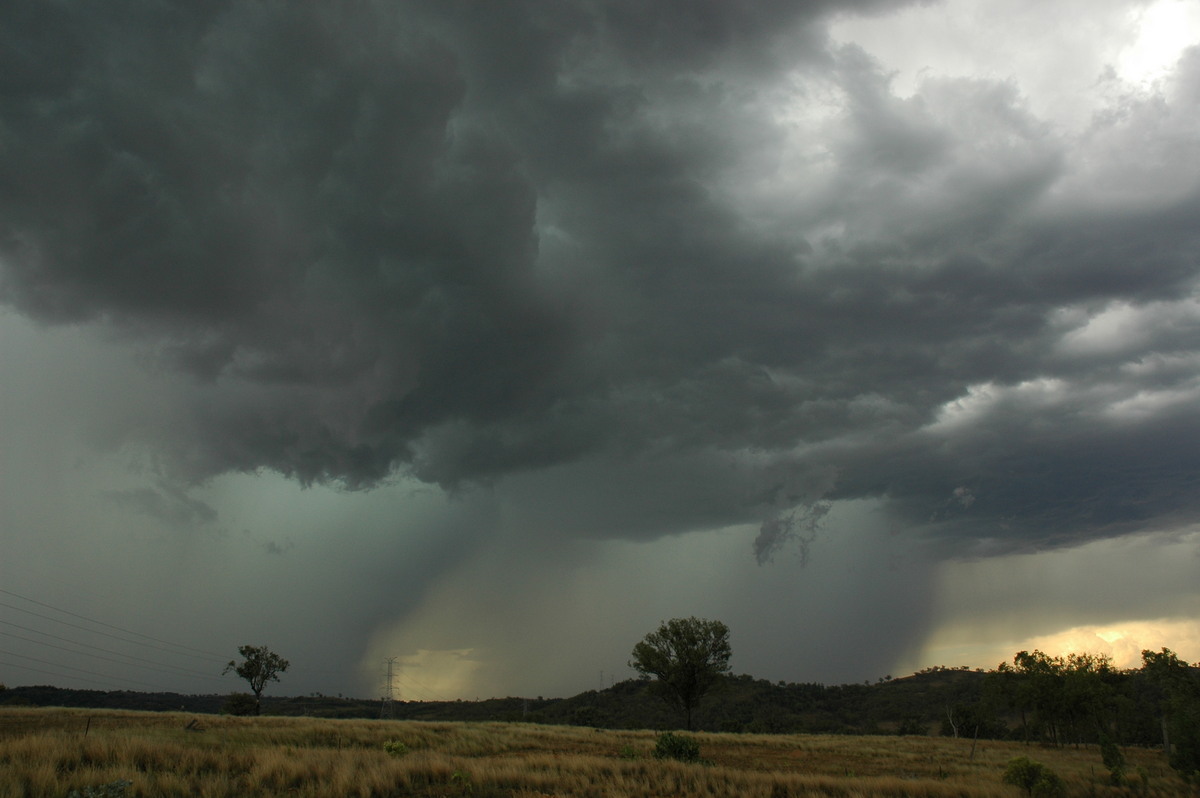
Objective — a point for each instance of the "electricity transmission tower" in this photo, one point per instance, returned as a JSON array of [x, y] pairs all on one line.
[[386, 710]]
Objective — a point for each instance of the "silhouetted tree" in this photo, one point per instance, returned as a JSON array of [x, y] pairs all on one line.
[[1178, 685], [259, 666], [687, 656]]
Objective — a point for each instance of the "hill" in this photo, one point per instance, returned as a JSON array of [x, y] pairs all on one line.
[[915, 704]]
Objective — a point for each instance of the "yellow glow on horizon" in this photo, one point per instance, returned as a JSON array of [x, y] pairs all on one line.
[[1122, 642], [428, 674]]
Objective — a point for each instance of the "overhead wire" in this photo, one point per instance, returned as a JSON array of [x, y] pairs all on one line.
[[157, 687], [144, 664], [154, 641], [84, 649], [429, 693]]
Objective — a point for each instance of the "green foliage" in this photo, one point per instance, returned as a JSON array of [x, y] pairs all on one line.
[[688, 656], [1034, 778], [1178, 687], [462, 780], [239, 704], [1143, 786], [114, 789], [677, 746], [1060, 700], [259, 665], [1050, 785], [628, 752], [974, 720], [395, 748], [1114, 760]]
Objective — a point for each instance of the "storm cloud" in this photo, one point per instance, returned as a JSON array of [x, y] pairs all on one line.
[[634, 269]]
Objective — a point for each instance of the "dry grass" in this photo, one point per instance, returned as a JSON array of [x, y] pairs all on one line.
[[49, 752]]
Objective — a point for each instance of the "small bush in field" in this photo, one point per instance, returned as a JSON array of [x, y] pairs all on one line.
[[1114, 760], [395, 748], [241, 704], [1034, 778], [677, 746], [114, 789]]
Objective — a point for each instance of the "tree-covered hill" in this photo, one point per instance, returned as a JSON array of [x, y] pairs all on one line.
[[742, 703], [1078, 699]]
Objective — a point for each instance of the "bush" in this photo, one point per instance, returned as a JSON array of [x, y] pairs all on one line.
[[395, 748], [1034, 778], [114, 789], [239, 704], [677, 746], [1114, 760]]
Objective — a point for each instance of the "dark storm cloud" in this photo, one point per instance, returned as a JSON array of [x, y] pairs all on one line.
[[480, 243], [167, 503]]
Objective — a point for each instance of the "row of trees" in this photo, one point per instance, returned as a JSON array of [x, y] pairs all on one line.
[[1077, 699], [1083, 698], [687, 656], [1080, 698]]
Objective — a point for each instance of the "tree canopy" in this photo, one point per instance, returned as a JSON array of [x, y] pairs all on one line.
[[687, 656], [259, 666]]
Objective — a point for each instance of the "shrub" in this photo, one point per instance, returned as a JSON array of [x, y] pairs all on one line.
[[239, 704], [395, 748], [677, 746], [114, 789], [1114, 760], [1034, 778]]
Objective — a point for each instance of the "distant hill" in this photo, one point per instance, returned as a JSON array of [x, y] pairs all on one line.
[[915, 703]]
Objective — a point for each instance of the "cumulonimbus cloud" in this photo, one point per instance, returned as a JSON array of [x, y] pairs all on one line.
[[559, 238]]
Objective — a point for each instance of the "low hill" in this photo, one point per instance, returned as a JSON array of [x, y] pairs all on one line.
[[915, 704]]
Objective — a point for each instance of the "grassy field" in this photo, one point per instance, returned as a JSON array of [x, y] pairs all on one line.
[[50, 752]]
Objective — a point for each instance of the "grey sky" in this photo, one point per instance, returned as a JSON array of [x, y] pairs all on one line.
[[422, 328]]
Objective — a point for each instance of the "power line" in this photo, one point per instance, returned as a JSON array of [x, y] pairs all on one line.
[[430, 693], [56, 673], [144, 664], [210, 657], [194, 651], [157, 687]]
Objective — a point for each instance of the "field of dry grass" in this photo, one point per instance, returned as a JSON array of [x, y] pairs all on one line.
[[50, 752]]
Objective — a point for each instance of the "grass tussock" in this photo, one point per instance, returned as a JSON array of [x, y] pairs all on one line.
[[49, 752]]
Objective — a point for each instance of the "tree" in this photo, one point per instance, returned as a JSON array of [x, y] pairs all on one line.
[[687, 656], [259, 666], [1179, 702]]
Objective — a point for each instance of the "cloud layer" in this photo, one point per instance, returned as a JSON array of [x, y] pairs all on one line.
[[637, 269]]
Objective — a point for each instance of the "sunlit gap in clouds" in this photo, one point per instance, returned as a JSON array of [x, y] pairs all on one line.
[[1164, 30], [1067, 601], [1059, 54]]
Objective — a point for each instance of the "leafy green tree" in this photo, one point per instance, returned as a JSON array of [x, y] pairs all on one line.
[[1090, 696], [687, 657], [259, 665], [1179, 702]]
